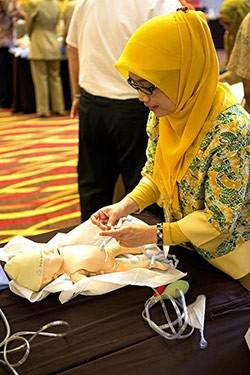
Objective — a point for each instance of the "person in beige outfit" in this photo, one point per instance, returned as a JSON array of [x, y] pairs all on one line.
[[66, 17], [239, 60], [41, 18]]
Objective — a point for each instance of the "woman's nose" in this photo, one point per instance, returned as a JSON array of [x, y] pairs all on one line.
[[143, 97]]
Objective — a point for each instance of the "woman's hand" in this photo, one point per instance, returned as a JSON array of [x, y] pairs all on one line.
[[108, 216], [133, 235]]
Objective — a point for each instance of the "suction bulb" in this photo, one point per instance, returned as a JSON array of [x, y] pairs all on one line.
[[172, 289]]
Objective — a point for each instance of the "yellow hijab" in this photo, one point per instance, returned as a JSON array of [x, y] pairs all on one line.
[[235, 10], [176, 54]]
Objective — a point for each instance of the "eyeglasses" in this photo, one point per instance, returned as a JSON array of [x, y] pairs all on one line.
[[145, 90]]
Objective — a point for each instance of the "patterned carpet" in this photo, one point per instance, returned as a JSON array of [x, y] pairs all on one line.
[[38, 181]]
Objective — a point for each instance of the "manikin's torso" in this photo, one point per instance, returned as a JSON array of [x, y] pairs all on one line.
[[90, 258], [79, 261]]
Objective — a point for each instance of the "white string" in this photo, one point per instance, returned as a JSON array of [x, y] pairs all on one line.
[[19, 336]]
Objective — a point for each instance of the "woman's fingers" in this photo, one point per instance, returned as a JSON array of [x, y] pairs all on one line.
[[99, 218], [116, 233]]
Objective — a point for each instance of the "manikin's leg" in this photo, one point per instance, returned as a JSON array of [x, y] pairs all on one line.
[[120, 250], [128, 264], [122, 266]]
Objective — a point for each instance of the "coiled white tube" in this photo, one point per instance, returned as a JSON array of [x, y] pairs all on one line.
[[171, 330], [19, 336]]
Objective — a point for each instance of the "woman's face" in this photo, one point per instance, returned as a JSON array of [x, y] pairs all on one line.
[[157, 101], [53, 263]]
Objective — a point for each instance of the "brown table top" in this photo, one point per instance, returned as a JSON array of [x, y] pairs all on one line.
[[108, 335]]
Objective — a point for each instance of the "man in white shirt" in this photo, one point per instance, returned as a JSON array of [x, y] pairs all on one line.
[[112, 134]]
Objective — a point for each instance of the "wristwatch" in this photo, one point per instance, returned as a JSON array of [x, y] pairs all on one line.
[[159, 235]]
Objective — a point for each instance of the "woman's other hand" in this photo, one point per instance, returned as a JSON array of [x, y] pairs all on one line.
[[133, 235]]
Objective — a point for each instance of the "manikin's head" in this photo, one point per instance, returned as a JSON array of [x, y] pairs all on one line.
[[34, 268]]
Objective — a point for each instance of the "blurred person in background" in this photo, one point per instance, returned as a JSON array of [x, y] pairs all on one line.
[[8, 13], [195, 3], [66, 17], [231, 14], [240, 58], [42, 17]]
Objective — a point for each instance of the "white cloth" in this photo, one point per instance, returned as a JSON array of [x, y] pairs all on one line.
[[100, 30], [86, 233]]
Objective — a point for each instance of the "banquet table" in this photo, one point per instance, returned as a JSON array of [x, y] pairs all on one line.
[[108, 335]]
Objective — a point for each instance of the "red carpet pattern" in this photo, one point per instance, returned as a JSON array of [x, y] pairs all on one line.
[[38, 180]]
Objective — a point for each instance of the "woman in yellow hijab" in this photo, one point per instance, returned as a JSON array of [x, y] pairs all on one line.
[[197, 155]]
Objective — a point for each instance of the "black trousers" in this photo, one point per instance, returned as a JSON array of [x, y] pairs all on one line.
[[112, 141], [6, 80]]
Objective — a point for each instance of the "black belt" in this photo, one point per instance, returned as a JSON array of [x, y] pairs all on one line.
[[103, 100]]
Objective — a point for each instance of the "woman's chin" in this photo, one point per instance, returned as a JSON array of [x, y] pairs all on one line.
[[159, 113]]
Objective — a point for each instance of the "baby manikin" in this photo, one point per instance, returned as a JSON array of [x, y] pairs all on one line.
[[34, 268]]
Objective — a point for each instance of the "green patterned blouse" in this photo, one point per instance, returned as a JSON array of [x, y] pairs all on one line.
[[217, 181]]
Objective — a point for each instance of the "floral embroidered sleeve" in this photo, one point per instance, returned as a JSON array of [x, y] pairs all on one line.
[[226, 187]]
